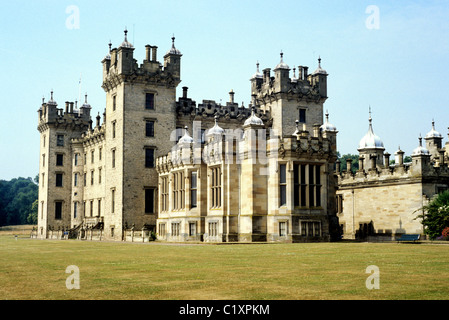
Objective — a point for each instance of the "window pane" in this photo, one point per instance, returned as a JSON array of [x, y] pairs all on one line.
[[59, 179], [149, 200], [149, 101], [302, 115], [282, 174], [58, 210], [149, 129], [149, 158]]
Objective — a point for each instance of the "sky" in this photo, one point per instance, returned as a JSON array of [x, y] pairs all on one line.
[[390, 56]]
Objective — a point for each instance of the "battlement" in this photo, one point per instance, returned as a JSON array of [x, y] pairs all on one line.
[[232, 112], [308, 87], [120, 66], [50, 115]]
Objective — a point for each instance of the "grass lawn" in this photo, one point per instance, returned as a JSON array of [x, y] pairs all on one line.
[[35, 269]]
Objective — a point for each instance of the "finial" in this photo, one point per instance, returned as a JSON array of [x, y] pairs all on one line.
[[294, 72], [110, 46], [327, 115], [319, 62], [51, 95], [257, 64], [370, 119], [85, 98], [420, 140], [282, 56]]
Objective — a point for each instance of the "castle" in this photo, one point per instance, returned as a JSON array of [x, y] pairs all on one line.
[[155, 164], [382, 200]]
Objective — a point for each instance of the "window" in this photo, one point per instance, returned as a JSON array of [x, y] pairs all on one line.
[[76, 159], [310, 228], [113, 158], [91, 208], [192, 228], [59, 159], [149, 128], [75, 180], [213, 229], [43, 160], [92, 156], [113, 129], [58, 210], [179, 133], [149, 158], [92, 177], [75, 209], [43, 180], [178, 191], [162, 229], [164, 194], [59, 179], [282, 185], [114, 103], [175, 229], [149, 200], [302, 115], [282, 228], [85, 178], [100, 151], [99, 207], [339, 203], [60, 140], [193, 189], [307, 185], [99, 175], [112, 200], [216, 187], [149, 101]]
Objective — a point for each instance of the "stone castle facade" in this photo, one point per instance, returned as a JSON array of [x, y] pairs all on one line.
[[153, 163], [382, 200]]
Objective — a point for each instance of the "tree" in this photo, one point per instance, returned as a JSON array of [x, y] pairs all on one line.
[[435, 215], [355, 161], [16, 200]]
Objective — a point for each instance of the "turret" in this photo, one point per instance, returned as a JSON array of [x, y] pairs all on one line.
[[172, 61], [433, 142], [282, 78], [125, 62], [319, 79]]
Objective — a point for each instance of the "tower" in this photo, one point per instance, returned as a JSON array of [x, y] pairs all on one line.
[[288, 98], [434, 142], [57, 128], [371, 148], [140, 113]]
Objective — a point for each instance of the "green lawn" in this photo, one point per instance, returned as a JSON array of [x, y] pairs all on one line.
[[35, 269]]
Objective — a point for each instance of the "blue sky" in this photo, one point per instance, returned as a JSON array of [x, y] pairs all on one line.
[[399, 68]]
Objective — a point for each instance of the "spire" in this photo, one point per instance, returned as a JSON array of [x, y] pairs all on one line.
[[173, 49], [125, 43], [281, 64]]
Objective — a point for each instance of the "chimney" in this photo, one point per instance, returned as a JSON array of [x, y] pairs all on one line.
[[184, 92], [305, 72], [154, 53], [361, 163], [71, 107], [300, 73], [231, 96], [98, 119], [67, 106], [387, 159], [266, 75], [349, 165], [399, 157], [147, 52], [338, 166]]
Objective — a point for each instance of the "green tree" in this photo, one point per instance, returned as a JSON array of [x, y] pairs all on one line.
[[435, 215], [16, 199], [355, 161], [32, 217]]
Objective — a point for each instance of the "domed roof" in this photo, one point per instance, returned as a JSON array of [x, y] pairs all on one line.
[[257, 74], [253, 119], [433, 133], [173, 49], [125, 43], [282, 64], [215, 130], [186, 138], [327, 126], [370, 140], [420, 150], [319, 70]]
